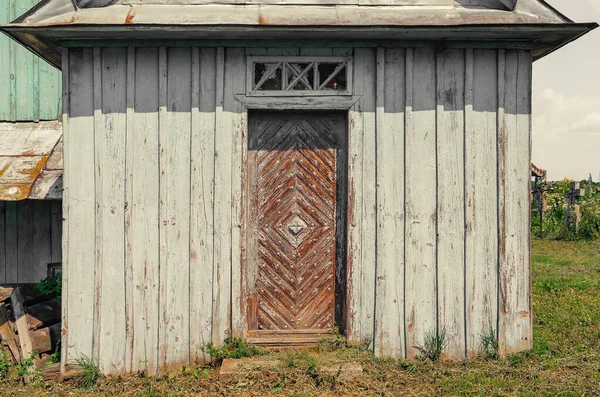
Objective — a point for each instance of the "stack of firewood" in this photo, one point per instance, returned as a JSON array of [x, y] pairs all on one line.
[[29, 324]]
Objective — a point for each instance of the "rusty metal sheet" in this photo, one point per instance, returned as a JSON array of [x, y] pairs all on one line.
[[31, 161]]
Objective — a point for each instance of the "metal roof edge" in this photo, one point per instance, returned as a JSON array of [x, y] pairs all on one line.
[[45, 41]]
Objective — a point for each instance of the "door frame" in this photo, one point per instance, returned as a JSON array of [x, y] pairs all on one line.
[[239, 325]]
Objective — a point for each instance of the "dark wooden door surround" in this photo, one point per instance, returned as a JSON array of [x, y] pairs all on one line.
[[296, 231]]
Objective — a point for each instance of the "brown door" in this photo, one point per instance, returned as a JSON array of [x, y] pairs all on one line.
[[294, 163]]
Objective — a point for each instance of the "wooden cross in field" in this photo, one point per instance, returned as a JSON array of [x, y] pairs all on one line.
[[572, 205]]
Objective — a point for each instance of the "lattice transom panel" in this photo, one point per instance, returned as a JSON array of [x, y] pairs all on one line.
[[299, 76]]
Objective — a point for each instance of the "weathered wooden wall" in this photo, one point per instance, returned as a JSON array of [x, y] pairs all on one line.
[[155, 142], [29, 87], [30, 238]]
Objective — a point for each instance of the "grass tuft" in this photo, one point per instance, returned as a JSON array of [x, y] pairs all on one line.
[[90, 372], [433, 345], [488, 347]]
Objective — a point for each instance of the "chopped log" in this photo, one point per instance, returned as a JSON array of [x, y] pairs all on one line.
[[43, 314], [46, 339], [18, 306], [51, 373], [8, 336], [5, 293]]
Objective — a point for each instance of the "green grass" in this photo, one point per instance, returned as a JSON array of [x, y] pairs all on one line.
[[564, 361]]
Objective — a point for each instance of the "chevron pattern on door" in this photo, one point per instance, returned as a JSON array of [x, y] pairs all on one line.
[[294, 225]]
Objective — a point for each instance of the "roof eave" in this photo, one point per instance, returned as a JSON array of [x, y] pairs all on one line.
[[46, 41]]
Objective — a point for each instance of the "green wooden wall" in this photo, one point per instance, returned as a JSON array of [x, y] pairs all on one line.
[[30, 89]]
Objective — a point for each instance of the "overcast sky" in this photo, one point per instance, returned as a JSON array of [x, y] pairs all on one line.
[[566, 101]]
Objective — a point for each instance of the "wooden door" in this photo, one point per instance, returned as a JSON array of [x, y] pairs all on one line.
[[294, 188]]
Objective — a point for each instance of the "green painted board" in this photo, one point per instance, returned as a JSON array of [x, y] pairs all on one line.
[[30, 89]]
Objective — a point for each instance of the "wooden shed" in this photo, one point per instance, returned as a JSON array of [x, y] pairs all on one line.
[[30, 159], [274, 169]]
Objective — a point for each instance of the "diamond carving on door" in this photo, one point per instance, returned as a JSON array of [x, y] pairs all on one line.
[[293, 191]]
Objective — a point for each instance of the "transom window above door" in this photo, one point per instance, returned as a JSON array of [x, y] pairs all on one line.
[[299, 76]]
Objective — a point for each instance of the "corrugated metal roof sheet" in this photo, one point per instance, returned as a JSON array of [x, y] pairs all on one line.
[[31, 161], [30, 88]]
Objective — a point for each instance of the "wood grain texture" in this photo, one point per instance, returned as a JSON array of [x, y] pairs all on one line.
[[293, 221], [201, 204], [421, 211], [451, 206], [79, 237], [481, 195], [222, 210], [362, 200], [175, 139], [64, 346], [142, 216], [514, 151], [110, 216], [235, 83], [391, 97]]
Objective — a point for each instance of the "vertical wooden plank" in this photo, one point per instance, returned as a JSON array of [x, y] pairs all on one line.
[[79, 206], [110, 228], [481, 240], [25, 249], [6, 66], [12, 248], [451, 207], [142, 210], [56, 229], [24, 72], [175, 211], [98, 133], [41, 239], [64, 351], [50, 89], [514, 151], [421, 211], [130, 266], [222, 211], [201, 205], [235, 81], [362, 200], [391, 96]]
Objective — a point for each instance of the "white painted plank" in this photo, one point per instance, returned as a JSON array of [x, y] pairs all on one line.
[[110, 222], [201, 205], [515, 320], [451, 207], [66, 108], [421, 211], [79, 239], [175, 211], [391, 96], [362, 200], [481, 246], [235, 81], [222, 211], [142, 198]]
